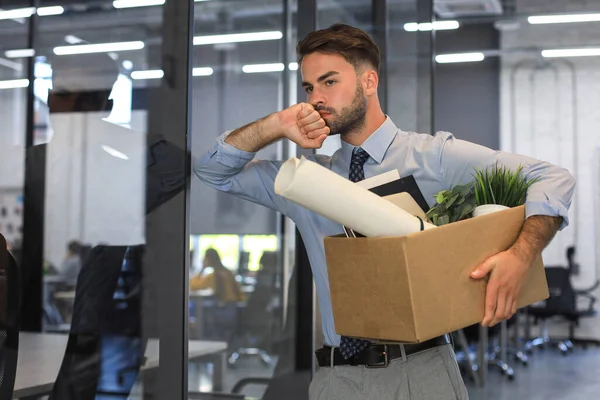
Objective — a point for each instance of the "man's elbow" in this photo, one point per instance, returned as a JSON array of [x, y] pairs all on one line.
[[209, 172], [200, 169]]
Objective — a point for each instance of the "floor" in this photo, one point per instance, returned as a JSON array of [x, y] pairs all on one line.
[[549, 376]]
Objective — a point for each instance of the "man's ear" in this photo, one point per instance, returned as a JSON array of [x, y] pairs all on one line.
[[370, 82]]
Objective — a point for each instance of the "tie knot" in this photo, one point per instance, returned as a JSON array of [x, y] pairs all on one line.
[[359, 156]]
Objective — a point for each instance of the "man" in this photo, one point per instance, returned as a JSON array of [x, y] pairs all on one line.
[[340, 76]]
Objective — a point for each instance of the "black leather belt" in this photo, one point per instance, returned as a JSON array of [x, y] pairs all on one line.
[[377, 355]]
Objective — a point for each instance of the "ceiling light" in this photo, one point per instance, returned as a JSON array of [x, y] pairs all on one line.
[[19, 53], [137, 3], [53, 10], [114, 153], [237, 38], [428, 26], [274, 67], [17, 13], [202, 71], [586, 52], [148, 74], [459, 57], [72, 39], [563, 19], [98, 48], [14, 83], [255, 68], [17, 66]]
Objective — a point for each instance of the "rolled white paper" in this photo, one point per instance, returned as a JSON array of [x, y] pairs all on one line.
[[317, 188]]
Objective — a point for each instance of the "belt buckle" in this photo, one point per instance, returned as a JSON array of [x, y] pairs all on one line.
[[386, 360]]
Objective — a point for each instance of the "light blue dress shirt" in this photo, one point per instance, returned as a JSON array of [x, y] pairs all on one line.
[[437, 162]]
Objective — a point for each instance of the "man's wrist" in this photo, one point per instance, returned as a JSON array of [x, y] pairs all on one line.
[[525, 254], [271, 127]]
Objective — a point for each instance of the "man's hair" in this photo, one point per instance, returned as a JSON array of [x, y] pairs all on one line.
[[355, 45]]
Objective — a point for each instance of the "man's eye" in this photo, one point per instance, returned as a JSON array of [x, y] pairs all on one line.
[[330, 82], [308, 89]]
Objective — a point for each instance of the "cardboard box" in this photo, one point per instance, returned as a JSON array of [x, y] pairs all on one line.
[[416, 287]]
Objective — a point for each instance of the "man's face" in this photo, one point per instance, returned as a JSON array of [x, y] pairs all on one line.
[[334, 89]]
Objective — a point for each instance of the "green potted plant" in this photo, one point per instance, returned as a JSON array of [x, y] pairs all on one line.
[[498, 188], [452, 205]]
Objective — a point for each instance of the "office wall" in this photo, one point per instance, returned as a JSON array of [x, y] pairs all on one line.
[[549, 110], [467, 95]]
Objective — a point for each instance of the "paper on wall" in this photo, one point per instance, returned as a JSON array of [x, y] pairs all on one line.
[[317, 188]]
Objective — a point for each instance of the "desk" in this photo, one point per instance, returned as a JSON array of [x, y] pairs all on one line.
[[41, 355]]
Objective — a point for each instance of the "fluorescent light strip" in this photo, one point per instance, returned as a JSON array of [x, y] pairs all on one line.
[[137, 3], [148, 74], [140, 3], [72, 39], [257, 68], [571, 52], [114, 153], [274, 67], [158, 73], [459, 57], [563, 19], [428, 26], [202, 71], [237, 38], [29, 11], [98, 48], [17, 66], [14, 84], [19, 53], [52, 10], [17, 13]]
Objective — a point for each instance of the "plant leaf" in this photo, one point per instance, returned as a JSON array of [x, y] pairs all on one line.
[[440, 197]]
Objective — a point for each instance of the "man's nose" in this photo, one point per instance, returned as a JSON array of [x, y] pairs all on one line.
[[316, 98]]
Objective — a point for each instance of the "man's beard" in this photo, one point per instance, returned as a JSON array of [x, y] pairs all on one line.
[[351, 118]]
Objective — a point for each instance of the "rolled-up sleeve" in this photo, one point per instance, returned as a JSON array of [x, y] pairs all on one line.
[[234, 171], [551, 195]]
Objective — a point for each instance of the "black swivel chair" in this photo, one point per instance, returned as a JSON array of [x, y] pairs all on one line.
[[255, 321], [562, 303], [9, 320], [578, 313]]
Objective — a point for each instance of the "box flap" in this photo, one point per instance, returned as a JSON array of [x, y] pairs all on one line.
[[440, 262], [379, 303]]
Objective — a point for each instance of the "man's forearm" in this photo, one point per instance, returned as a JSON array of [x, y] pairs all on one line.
[[537, 232], [255, 136]]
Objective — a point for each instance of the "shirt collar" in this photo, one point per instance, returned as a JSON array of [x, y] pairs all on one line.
[[376, 144]]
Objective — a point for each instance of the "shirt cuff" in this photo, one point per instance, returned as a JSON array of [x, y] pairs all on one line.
[[231, 156], [550, 208]]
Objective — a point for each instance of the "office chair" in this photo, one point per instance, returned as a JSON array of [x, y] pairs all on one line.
[[9, 320], [468, 338], [256, 320], [253, 327], [577, 314], [561, 303]]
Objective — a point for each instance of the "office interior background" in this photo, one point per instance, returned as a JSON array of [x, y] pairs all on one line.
[[516, 75]]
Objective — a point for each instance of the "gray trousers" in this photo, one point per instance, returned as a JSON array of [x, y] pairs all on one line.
[[429, 375]]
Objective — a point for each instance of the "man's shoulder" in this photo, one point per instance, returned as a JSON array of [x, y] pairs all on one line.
[[425, 141]]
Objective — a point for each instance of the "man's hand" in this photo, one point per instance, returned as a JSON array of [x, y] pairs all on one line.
[[303, 125], [506, 272]]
